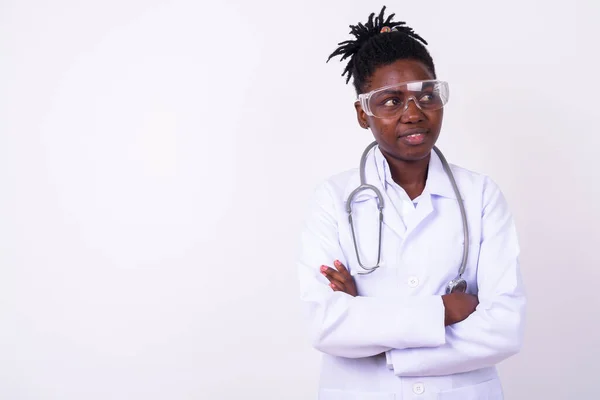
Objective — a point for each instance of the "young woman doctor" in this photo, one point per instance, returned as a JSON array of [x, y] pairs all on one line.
[[411, 283]]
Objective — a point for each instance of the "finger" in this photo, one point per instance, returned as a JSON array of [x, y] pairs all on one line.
[[337, 286], [341, 268], [329, 272], [333, 277]]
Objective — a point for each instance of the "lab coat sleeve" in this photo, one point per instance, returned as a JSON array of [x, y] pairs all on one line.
[[494, 331], [354, 327]]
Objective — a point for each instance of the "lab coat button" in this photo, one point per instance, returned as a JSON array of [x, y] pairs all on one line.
[[413, 282], [419, 388]]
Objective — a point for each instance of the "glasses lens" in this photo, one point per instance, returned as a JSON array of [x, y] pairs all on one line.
[[391, 102]]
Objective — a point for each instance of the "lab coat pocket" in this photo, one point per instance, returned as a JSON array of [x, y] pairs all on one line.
[[488, 390], [336, 394]]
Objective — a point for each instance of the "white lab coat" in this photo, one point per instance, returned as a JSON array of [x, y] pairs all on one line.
[[390, 342]]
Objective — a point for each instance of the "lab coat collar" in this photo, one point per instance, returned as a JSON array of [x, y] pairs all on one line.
[[376, 166], [377, 172], [438, 182], [374, 176]]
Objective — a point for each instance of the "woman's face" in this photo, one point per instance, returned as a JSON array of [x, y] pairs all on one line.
[[392, 134]]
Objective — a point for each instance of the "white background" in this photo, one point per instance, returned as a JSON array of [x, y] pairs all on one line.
[[156, 158]]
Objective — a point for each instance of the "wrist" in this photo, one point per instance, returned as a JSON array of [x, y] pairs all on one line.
[[446, 313]]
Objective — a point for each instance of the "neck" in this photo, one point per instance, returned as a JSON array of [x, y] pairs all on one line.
[[410, 175]]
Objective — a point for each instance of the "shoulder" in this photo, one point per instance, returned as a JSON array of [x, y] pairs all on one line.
[[470, 177], [327, 198], [336, 186], [479, 185]]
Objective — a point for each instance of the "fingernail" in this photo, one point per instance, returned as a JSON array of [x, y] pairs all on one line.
[[332, 286], [323, 268], [337, 263]]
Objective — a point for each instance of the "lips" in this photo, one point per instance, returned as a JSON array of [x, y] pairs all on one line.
[[414, 131], [414, 136]]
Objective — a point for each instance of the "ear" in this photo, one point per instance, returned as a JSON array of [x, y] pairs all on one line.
[[361, 115]]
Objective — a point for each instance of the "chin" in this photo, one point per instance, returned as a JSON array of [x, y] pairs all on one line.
[[414, 153], [403, 152]]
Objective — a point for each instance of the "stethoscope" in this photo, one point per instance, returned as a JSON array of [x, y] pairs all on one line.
[[456, 285]]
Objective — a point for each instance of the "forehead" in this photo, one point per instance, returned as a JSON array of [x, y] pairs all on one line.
[[398, 72]]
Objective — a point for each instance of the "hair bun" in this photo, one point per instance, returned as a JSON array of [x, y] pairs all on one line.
[[364, 32]]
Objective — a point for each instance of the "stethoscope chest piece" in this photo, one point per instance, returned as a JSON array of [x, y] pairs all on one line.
[[458, 285]]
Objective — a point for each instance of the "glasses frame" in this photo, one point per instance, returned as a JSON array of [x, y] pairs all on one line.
[[364, 98]]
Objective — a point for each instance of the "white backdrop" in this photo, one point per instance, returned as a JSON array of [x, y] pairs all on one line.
[[156, 158]]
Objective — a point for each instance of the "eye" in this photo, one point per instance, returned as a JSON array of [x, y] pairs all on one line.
[[427, 98], [391, 102]]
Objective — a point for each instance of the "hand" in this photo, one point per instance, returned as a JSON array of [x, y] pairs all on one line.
[[458, 307], [339, 278]]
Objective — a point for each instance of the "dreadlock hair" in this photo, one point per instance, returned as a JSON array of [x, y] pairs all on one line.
[[374, 47]]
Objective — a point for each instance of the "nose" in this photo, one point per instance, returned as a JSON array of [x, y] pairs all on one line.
[[412, 113]]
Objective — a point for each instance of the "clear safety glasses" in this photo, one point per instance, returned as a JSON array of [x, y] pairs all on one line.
[[391, 101]]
